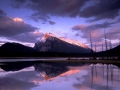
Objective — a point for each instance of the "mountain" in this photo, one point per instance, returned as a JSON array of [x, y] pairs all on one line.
[[52, 43], [111, 52], [16, 49]]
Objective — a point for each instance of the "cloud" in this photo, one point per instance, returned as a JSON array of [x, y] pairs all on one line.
[[93, 26], [114, 33], [17, 29], [2, 13], [94, 30], [103, 9], [98, 38], [44, 9], [51, 22], [31, 37], [97, 32], [36, 16], [13, 26], [78, 27], [17, 4]]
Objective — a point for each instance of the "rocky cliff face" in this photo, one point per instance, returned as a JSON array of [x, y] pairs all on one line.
[[53, 43]]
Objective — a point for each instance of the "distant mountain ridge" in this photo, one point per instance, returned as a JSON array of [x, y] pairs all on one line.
[[111, 52], [53, 43], [16, 49], [65, 50]]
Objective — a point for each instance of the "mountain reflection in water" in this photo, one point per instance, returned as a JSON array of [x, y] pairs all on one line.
[[58, 76]]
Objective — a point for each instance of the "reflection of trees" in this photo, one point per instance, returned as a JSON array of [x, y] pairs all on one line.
[[108, 73]]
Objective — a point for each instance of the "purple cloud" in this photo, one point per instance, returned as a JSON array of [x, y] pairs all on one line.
[[47, 8], [51, 22], [93, 26], [43, 9], [103, 9], [2, 13], [17, 29], [97, 32], [13, 26]]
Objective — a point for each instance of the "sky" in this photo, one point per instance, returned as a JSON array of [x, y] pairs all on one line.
[[26, 21]]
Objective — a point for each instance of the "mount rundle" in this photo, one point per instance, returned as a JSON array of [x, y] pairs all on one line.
[[53, 43]]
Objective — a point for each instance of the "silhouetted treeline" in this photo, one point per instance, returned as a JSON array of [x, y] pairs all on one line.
[[18, 50], [41, 54], [58, 54]]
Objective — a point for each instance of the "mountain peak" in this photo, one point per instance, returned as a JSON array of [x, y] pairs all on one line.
[[51, 42], [47, 36], [51, 36]]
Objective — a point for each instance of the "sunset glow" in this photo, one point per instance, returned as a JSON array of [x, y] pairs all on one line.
[[18, 19]]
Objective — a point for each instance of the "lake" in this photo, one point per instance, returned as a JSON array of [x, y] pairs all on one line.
[[31, 75]]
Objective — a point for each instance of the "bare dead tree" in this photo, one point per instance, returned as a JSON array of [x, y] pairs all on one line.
[[119, 41], [105, 39], [105, 43], [110, 44], [95, 47], [91, 46], [102, 46]]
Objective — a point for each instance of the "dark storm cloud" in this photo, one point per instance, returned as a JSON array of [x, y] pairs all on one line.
[[17, 4], [51, 22], [38, 16], [104, 9], [2, 13], [47, 8], [98, 10]]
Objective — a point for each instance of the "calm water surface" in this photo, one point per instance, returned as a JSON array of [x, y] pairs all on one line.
[[58, 76]]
